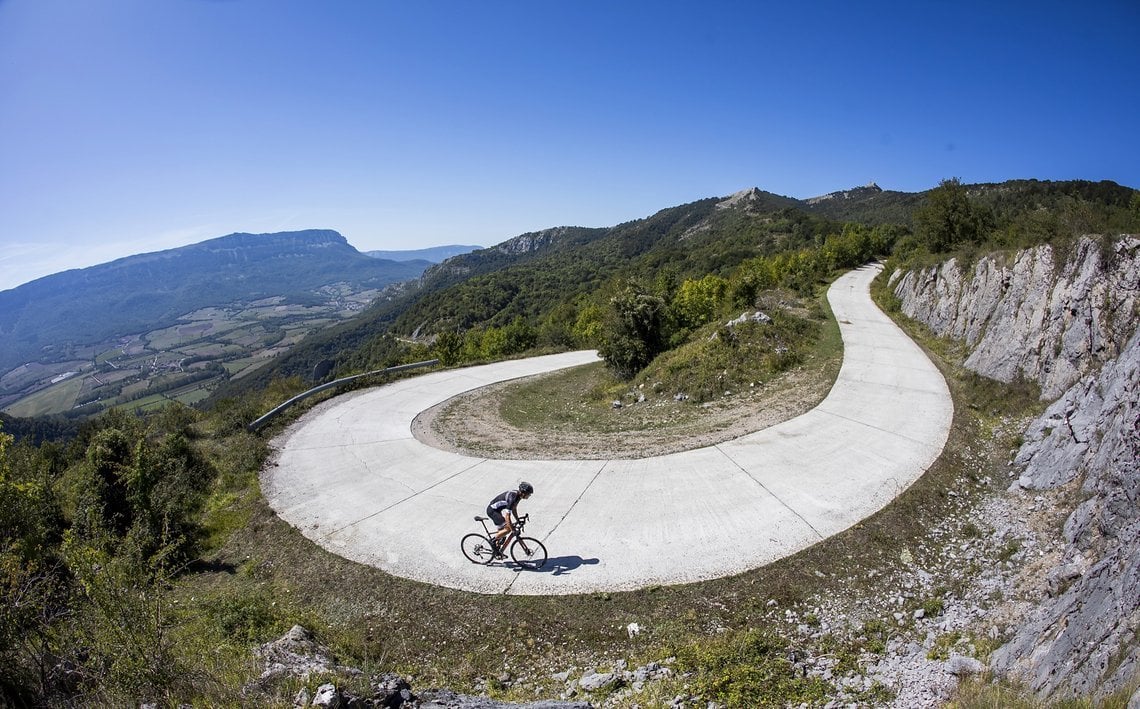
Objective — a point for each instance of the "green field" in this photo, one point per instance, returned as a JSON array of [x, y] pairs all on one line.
[[205, 349], [193, 396], [136, 388], [55, 399], [35, 371], [235, 366], [103, 357], [198, 329], [188, 395], [252, 365]]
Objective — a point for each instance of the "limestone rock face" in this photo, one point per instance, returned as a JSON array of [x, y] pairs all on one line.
[[1071, 327], [1083, 639], [532, 241], [1031, 316]]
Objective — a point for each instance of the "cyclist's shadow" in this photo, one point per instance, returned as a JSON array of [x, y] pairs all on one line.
[[558, 565]]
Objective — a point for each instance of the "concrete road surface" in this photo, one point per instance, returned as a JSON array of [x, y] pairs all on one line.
[[352, 478]]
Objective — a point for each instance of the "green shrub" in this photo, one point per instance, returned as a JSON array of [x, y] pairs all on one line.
[[749, 668], [244, 615]]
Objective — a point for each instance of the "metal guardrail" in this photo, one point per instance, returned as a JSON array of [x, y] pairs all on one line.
[[258, 423]]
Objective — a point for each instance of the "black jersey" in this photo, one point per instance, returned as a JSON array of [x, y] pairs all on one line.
[[508, 500]]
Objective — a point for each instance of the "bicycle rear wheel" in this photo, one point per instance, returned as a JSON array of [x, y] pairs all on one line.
[[477, 548], [528, 553]]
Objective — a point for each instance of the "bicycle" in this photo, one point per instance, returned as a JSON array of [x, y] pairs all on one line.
[[527, 552]]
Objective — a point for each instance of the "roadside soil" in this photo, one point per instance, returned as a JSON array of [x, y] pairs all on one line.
[[474, 424]]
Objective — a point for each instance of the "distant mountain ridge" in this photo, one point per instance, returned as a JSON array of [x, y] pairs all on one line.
[[148, 290], [870, 204], [434, 254]]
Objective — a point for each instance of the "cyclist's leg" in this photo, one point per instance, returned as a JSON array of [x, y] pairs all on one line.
[[497, 537]]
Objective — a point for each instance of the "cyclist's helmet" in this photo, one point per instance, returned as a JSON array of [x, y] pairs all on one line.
[[526, 488]]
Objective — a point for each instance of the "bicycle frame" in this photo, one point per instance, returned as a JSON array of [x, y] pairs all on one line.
[[516, 528]]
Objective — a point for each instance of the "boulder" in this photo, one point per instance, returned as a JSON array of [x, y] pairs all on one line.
[[446, 699], [296, 654], [593, 681], [963, 666], [327, 696]]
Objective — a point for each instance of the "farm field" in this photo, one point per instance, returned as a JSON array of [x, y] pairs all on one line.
[[54, 399]]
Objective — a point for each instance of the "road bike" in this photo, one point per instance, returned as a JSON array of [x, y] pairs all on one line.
[[527, 552]]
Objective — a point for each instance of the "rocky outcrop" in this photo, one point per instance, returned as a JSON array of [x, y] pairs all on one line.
[[1083, 639], [1029, 316], [532, 241], [1072, 328], [743, 198], [298, 655]]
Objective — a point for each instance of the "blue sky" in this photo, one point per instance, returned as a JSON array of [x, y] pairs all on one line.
[[129, 126]]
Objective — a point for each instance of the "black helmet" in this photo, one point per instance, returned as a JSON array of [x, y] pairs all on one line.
[[526, 488]]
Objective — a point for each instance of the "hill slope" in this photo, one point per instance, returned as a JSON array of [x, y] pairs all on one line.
[[150, 290]]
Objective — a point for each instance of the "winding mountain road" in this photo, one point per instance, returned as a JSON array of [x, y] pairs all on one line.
[[351, 476]]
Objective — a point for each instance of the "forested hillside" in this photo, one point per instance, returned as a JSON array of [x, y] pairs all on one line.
[[539, 283], [1026, 210], [542, 288]]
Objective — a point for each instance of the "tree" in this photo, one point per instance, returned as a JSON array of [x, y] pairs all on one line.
[[697, 301], [448, 348], [752, 277], [139, 489], [948, 218], [557, 328], [634, 332], [518, 336], [32, 585], [587, 330]]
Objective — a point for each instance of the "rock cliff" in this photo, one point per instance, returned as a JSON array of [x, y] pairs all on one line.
[[1083, 639], [533, 241], [1032, 315], [1071, 327]]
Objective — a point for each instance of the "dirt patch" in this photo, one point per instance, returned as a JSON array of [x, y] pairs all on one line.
[[473, 423]]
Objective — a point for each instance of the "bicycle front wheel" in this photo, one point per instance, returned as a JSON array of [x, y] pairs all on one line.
[[528, 553], [477, 548]]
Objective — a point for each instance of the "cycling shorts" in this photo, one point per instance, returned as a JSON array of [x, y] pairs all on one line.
[[496, 517]]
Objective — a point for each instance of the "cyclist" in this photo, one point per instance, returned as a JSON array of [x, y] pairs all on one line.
[[503, 511]]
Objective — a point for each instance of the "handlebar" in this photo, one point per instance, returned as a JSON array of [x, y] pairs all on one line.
[[518, 524]]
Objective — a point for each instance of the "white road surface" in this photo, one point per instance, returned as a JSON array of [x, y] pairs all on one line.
[[352, 478]]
